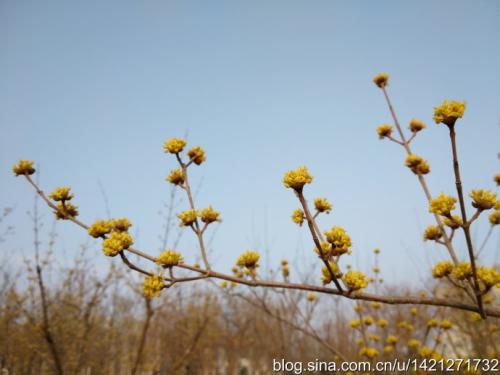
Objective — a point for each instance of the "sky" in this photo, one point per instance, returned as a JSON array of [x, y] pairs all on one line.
[[90, 90]]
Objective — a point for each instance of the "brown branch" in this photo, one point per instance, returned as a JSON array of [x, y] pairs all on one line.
[[466, 225], [144, 332]]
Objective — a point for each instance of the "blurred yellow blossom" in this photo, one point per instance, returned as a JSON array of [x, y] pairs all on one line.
[[448, 112]]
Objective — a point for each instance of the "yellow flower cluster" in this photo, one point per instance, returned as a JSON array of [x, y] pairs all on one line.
[[382, 323], [176, 177], [483, 199], [326, 277], [368, 352], [312, 297], [61, 194], [416, 125], [187, 217], [116, 242], [285, 270], [121, 224], [298, 216], [414, 343], [496, 178], [495, 217], [425, 351], [453, 221], [432, 323], [326, 250], [100, 228], [462, 271], [355, 323], [384, 130], [448, 112], [446, 324], [442, 205], [381, 79], [489, 276], [368, 321], [23, 167], [296, 179], [432, 233], [442, 269], [417, 164], [169, 258], [339, 239], [197, 155], [153, 285], [391, 339], [209, 215], [322, 205], [355, 280], [249, 259], [174, 145], [66, 210]]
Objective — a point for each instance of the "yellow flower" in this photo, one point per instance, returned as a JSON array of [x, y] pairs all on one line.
[[391, 339], [483, 199], [413, 311], [121, 224], [223, 284], [376, 251], [169, 258], [197, 155], [368, 352], [442, 205], [453, 222], [462, 271], [416, 125], [432, 323], [374, 337], [446, 324], [116, 242], [475, 317], [495, 217], [326, 277], [312, 297], [448, 112], [23, 167], [174, 145], [388, 349], [432, 233], [153, 285], [376, 270], [322, 205], [249, 259], [285, 271], [414, 344], [355, 323], [176, 177], [326, 250], [382, 323], [381, 79], [209, 215], [425, 351], [297, 179], [355, 280], [384, 130], [187, 217], [496, 178], [489, 276], [61, 194], [417, 164], [376, 305], [99, 228], [339, 239], [442, 269], [357, 308], [298, 216], [66, 211]]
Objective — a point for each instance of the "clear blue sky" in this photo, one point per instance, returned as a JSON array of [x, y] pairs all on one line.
[[91, 89]]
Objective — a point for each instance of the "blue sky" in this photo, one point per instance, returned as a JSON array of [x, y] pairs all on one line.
[[90, 90]]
